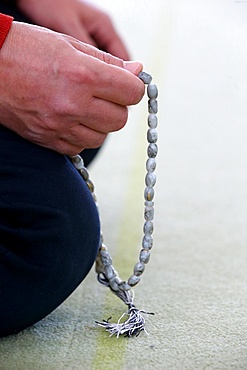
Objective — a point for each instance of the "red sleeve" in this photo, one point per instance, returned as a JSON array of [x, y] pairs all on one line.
[[5, 24]]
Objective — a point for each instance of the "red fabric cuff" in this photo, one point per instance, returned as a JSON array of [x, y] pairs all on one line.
[[5, 24]]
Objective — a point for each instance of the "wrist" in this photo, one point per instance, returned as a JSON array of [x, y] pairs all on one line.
[[5, 25]]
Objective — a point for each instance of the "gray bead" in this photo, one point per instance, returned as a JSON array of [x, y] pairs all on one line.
[[78, 162], [152, 106], [152, 135], [114, 283], [149, 213], [124, 286], [149, 193], [151, 165], [109, 272], [147, 242], [150, 179], [152, 150], [152, 120], [152, 91], [148, 227], [133, 280], [145, 77], [139, 268], [105, 258], [144, 256], [84, 172], [90, 185]]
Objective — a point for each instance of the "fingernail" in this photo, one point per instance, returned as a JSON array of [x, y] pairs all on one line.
[[133, 67]]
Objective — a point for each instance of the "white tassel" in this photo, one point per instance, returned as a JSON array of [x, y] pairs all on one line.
[[133, 326]]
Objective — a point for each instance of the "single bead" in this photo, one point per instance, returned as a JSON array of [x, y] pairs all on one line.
[[149, 213], [148, 227], [152, 135], [152, 150], [149, 193], [147, 242], [105, 258], [152, 106], [152, 120], [151, 164], [133, 280], [78, 162], [145, 77], [139, 268], [150, 179], [124, 286], [109, 272], [90, 185], [152, 91], [114, 283], [84, 172], [144, 256]]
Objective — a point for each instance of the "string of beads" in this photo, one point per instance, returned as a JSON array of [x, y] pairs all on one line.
[[106, 273]]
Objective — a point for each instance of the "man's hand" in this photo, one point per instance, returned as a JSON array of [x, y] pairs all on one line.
[[78, 19], [61, 93]]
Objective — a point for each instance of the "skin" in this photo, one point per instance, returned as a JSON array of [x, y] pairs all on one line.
[[61, 93], [79, 19]]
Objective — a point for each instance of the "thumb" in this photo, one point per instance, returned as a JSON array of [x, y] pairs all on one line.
[[133, 67]]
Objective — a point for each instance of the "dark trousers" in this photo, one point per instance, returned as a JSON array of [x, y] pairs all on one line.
[[49, 231], [49, 227]]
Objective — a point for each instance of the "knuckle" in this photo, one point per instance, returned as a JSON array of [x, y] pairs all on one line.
[[121, 119], [100, 140], [66, 148], [110, 59], [96, 140]]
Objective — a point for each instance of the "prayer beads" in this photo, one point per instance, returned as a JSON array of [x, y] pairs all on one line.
[[107, 275]]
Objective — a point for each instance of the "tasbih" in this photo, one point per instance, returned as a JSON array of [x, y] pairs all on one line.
[[106, 273]]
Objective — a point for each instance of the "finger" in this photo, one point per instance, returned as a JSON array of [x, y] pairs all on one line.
[[109, 77], [77, 139], [108, 40], [81, 136], [117, 85], [66, 148], [105, 117], [96, 53], [134, 67]]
